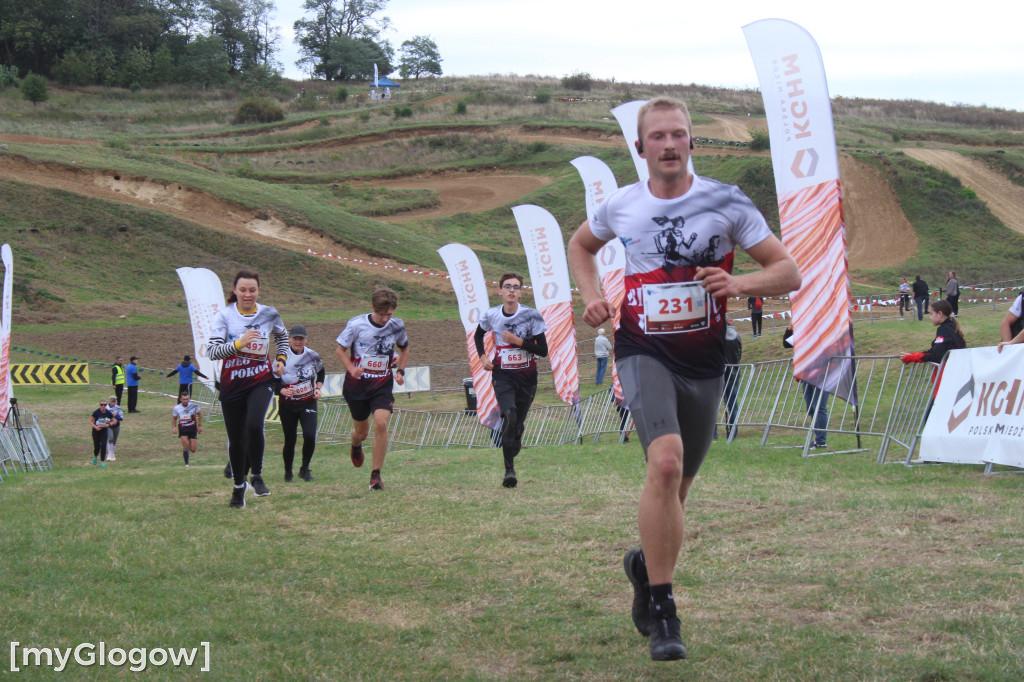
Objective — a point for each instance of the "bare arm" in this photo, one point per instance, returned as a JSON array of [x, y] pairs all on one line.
[[403, 360], [779, 273], [582, 252], [1004, 326], [351, 369]]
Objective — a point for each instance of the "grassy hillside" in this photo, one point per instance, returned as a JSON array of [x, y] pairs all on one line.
[[310, 170]]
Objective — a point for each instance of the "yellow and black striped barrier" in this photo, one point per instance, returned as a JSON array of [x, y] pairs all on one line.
[[50, 374]]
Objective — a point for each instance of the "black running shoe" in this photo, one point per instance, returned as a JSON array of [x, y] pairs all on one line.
[[238, 497], [357, 455], [666, 644], [510, 480], [259, 487], [375, 482], [288, 477], [641, 591], [305, 475], [227, 471]]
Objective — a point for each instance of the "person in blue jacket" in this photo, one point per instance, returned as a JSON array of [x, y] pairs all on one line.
[[185, 370], [131, 380]]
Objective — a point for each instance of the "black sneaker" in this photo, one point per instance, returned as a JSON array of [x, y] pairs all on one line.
[[259, 487], [375, 482], [305, 475], [227, 471], [357, 455], [641, 592], [238, 497], [666, 644], [287, 477], [510, 480]]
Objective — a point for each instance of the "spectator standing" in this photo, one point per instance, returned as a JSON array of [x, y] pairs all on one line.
[[953, 292], [755, 304], [730, 394], [117, 378], [948, 336], [132, 379], [904, 296], [920, 288], [602, 348], [115, 426], [185, 371], [811, 400], [1013, 321]]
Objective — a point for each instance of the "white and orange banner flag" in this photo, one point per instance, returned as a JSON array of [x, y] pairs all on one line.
[[471, 291], [806, 165], [549, 275], [5, 333], [599, 184], [205, 297]]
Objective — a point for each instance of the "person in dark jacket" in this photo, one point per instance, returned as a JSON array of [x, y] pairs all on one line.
[[920, 288], [948, 336], [730, 394], [185, 370]]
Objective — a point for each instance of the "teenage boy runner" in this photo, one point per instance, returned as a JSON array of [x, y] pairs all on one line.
[[366, 349], [187, 424], [518, 337], [679, 231]]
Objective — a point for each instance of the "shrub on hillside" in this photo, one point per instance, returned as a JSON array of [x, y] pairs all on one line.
[[341, 94], [541, 96], [33, 88], [403, 112], [258, 110], [580, 80], [759, 141], [8, 76]]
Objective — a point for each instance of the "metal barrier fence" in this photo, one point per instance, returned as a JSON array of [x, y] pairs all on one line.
[[22, 444]]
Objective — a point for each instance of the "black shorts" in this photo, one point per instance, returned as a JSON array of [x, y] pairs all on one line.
[[190, 431], [361, 409]]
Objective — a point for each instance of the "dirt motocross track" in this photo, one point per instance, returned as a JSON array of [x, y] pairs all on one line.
[[878, 233]]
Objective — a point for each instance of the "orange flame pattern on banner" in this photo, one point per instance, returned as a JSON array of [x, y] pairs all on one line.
[[812, 230], [561, 336]]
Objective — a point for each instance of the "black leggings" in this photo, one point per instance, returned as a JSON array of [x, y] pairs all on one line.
[[514, 401], [99, 444], [243, 421], [291, 417]]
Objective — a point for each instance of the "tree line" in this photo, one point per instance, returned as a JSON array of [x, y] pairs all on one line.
[[143, 43]]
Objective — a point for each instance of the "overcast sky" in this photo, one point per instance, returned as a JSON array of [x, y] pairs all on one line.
[[971, 52]]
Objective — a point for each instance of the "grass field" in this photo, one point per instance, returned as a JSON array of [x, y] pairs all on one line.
[[829, 568]]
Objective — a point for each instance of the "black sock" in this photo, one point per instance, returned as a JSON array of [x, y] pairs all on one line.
[[184, 453], [662, 603]]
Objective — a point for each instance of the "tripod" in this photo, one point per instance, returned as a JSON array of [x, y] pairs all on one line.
[[18, 428]]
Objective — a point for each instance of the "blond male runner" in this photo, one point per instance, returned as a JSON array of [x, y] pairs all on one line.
[[679, 232]]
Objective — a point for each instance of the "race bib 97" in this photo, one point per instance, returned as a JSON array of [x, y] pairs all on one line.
[[675, 307]]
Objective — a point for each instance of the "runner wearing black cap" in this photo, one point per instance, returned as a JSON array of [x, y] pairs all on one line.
[[300, 389]]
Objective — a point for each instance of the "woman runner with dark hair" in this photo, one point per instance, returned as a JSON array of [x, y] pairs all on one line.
[[244, 335]]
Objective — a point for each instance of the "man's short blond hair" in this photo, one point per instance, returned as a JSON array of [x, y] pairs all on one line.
[[661, 104]]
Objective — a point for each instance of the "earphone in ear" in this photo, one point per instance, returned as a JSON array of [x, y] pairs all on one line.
[[691, 143], [639, 146]]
